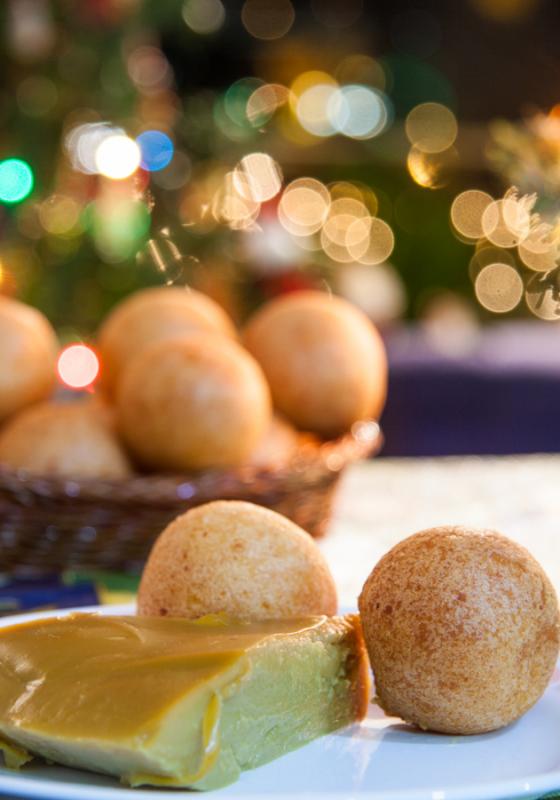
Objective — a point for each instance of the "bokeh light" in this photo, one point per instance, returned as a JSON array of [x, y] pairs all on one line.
[[78, 366], [264, 101], [59, 214], [117, 157], [82, 142], [486, 253], [379, 291], [431, 170], [357, 111], [268, 19], [342, 214], [156, 150], [370, 240], [467, 210], [16, 180], [119, 226], [540, 250], [204, 16], [449, 323], [258, 176], [237, 97], [313, 109], [499, 288], [233, 203], [304, 206], [506, 222], [542, 297], [344, 211], [149, 69], [431, 127]]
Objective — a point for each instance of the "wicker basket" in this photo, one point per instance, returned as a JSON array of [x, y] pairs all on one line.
[[49, 524]]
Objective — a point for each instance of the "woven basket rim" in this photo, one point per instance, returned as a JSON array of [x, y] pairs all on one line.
[[312, 460]]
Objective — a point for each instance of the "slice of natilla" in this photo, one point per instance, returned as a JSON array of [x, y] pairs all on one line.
[[172, 702]]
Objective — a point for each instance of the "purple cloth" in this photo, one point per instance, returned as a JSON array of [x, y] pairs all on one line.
[[501, 395]]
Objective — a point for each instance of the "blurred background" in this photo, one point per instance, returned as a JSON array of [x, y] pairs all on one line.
[[405, 155]]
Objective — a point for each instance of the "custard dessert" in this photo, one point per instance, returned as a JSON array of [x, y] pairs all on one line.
[[172, 702]]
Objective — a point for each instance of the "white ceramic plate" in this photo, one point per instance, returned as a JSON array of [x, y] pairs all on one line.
[[381, 759]]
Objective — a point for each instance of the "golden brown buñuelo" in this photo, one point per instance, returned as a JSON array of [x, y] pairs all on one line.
[[323, 358], [28, 350], [73, 440], [153, 315], [192, 402], [237, 558], [462, 630]]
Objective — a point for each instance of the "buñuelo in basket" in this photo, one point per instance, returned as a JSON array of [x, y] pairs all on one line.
[[187, 409]]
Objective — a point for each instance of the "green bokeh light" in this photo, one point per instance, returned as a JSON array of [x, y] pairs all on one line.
[[16, 180]]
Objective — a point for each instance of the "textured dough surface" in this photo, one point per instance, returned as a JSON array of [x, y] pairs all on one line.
[[324, 360], [193, 403], [28, 350], [73, 440], [152, 315], [237, 558], [462, 630]]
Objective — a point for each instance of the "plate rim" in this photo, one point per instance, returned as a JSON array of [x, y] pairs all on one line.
[[38, 789]]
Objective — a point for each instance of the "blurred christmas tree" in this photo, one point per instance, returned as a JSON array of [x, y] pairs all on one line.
[[147, 142]]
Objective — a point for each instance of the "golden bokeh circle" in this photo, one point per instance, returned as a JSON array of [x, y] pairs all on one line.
[[304, 206], [505, 223], [233, 204], [431, 127], [467, 210], [499, 288], [376, 246], [487, 253], [431, 170], [542, 297], [539, 251]]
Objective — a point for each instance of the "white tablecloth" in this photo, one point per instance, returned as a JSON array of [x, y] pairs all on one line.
[[382, 501]]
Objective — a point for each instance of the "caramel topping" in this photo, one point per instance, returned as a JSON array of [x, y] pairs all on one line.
[[121, 675]]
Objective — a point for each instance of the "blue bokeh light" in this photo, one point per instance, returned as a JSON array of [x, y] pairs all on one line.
[[16, 180], [156, 148]]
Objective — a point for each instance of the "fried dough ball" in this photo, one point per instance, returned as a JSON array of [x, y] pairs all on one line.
[[324, 360], [237, 558], [462, 630], [152, 315], [28, 350], [193, 403], [68, 439]]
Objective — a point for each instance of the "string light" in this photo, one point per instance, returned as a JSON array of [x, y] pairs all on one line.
[[78, 366], [156, 149], [117, 157], [16, 180]]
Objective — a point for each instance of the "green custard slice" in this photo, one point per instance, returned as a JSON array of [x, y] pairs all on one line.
[[172, 702]]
